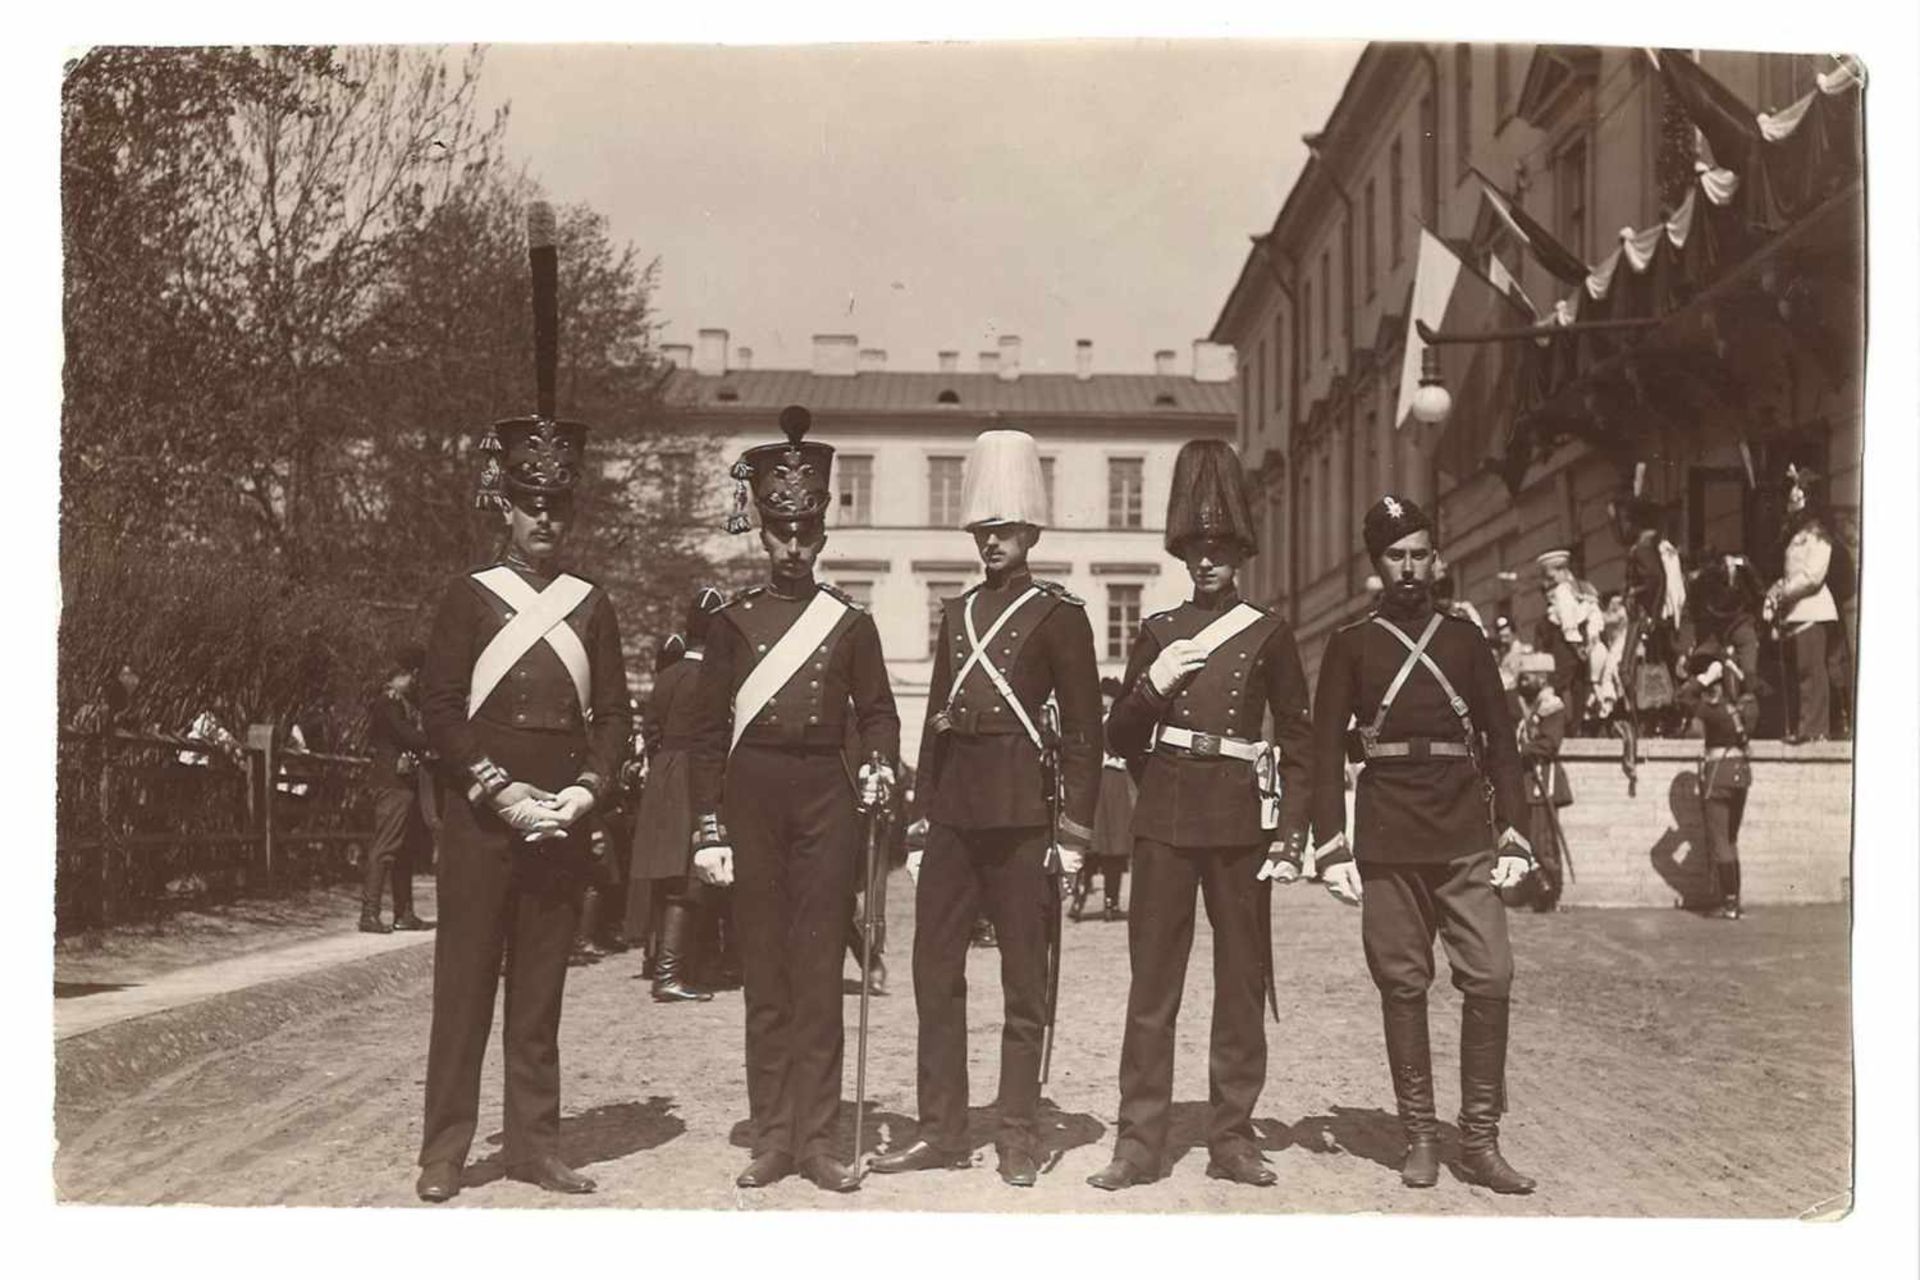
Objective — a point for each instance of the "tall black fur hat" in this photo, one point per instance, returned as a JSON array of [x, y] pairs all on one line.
[[1209, 497]]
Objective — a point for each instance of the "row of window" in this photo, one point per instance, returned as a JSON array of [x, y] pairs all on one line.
[[946, 476], [1123, 611]]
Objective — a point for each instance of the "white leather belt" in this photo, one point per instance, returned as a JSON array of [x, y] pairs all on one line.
[[1722, 753], [1209, 745], [1416, 749]]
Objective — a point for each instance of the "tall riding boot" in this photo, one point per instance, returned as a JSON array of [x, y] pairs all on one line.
[[1411, 1062], [1082, 886], [1483, 1096], [656, 912], [1111, 870], [673, 963], [585, 938]]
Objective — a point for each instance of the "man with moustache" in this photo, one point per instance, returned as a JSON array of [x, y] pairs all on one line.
[[524, 699], [1222, 812], [1004, 648], [778, 812], [1416, 695]]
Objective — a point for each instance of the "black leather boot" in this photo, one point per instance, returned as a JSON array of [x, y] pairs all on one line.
[[1483, 1097], [1082, 886], [370, 921], [1411, 1062], [673, 962]]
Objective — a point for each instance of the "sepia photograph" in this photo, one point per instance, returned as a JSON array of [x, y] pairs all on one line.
[[1229, 625]]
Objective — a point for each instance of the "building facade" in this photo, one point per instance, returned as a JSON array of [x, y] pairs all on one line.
[[1107, 444], [1582, 138]]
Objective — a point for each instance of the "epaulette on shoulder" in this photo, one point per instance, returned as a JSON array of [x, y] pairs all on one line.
[[745, 593], [1165, 615], [1059, 592], [841, 596], [1359, 622]]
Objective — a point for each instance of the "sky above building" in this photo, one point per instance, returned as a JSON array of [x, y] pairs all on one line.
[[929, 197]]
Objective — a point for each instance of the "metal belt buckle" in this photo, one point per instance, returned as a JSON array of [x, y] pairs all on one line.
[[1205, 744], [1417, 749], [1369, 741]]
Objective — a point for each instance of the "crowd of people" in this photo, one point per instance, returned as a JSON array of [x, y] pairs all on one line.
[[1620, 658]]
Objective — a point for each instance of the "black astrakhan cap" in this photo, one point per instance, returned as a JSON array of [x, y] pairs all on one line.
[[1389, 520]]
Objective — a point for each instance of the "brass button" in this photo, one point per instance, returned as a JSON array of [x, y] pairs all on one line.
[[763, 648], [509, 614], [748, 604], [813, 684]]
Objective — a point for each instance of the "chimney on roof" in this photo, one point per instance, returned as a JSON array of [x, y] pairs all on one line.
[[1212, 361], [710, 353], [743, 358], [989, 362], [873, 359], [835, 354], [678, 354], [1009, 357], [949, 362], [1163, 363], [1083, 359]]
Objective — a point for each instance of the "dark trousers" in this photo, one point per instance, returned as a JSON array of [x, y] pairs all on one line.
[[1550, 871], [496, 892], [1724, 813], [399, 830], [1001, 871], [1159, 940], [1405, 904], [791, 817], [1807, 651]]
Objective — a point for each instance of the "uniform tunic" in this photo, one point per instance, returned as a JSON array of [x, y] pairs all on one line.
[[495, 890], [397, 743], [1421, 828], [1198, 828], [663, 830], [786, 794], [981, 782]]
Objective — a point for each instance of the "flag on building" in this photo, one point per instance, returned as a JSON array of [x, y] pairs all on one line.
[[1550, 253]]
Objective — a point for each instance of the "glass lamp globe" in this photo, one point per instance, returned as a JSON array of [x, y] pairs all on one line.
[[1432, 403]]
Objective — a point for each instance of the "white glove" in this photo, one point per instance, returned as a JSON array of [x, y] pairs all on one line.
[[913, 864], [1174, 664], [1343, 882], [876, 786], [533, 819], [1510, 871], [1278, 869], [1069, 859], [714, 865], [1712, 673], [572, 804]]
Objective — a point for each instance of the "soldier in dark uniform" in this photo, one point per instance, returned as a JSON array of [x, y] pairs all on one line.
[[1415, 694], [400, 838], [1112, 846], [1200, 681], [525, 700], [778, 808], [663, 836], [1726, 772], [1004, 648]]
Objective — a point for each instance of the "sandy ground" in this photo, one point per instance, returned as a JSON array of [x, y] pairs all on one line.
[[1662, 1064]]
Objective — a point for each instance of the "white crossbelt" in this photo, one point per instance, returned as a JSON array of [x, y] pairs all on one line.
[[1227, 626], [771, 673], [1209, 744], [538, 615], [979, 658]]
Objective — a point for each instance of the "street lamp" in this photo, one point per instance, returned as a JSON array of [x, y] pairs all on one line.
[[1431, 403]]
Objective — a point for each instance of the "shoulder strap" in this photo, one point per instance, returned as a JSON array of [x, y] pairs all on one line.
[[979, 656], [771, 673], [978, 644], [1417, 656], [1227, 626], [538, 616]]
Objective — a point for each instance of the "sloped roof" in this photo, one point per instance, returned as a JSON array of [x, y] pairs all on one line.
[[1104, 395]]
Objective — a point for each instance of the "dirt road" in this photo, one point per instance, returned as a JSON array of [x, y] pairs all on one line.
[[1662, 1064]]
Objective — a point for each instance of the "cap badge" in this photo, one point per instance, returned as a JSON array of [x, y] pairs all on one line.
[[1393, 506]]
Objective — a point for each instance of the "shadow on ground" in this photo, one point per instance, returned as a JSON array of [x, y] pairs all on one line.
[[596, 1136], [1058, 1132]]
